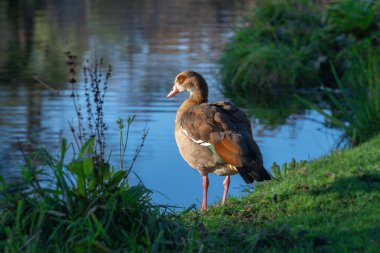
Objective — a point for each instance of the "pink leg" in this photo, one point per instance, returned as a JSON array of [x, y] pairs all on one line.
[[205, 188], [226, 184]]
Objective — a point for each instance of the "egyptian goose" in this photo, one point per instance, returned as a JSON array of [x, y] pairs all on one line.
[[214, 137]]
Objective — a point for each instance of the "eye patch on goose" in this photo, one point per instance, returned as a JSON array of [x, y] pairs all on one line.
[[181, 79]]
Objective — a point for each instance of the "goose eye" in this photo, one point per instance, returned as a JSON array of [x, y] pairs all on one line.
[[181, 79]]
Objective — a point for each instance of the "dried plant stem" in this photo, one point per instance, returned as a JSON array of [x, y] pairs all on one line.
[[74, 95], [72, 129], [78, 116]]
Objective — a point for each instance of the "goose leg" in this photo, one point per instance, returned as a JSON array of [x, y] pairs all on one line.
[[205, 188], [226, 184]]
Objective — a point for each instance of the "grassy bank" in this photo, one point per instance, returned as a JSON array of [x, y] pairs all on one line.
[[328, 205]]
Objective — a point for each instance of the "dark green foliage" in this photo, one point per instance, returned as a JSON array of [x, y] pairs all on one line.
[[287, 44], [59, 208], [276, 48], [352, 28], [358, 103], [353, 18]]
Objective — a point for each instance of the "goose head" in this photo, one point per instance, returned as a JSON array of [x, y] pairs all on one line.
[[192, 82]]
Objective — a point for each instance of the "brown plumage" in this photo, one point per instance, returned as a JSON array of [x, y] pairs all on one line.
[[215, 137]]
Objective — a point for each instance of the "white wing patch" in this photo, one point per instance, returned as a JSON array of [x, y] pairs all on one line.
[[200, 142]]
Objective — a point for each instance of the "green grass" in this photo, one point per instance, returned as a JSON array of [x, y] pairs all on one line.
[[288, 44], [328, 205], [276, 48]]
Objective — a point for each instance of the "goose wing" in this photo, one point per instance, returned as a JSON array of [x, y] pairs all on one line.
[[227, 129]]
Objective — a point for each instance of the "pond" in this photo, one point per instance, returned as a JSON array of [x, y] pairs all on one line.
[[148, 43]]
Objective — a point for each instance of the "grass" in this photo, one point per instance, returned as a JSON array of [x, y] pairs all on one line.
[[328, 205], [276, 48], [288, 44], [60, 208], [358, 103]]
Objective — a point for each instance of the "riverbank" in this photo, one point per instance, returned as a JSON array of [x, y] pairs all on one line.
[[328, 205]]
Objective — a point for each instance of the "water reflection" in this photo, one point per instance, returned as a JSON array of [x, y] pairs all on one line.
[[147, 42]]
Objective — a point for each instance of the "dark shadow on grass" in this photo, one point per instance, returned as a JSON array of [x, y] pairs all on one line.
[[352, 240], [368, 182]]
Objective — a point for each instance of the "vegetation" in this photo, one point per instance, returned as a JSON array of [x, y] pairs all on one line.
[[329, 205], [358, 103], [67, 208], [277, 46], [288, 44]]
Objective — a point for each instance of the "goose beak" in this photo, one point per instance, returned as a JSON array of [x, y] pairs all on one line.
[[173, 92]]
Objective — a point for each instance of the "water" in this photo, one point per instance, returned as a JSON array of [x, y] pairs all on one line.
[[148, 43]]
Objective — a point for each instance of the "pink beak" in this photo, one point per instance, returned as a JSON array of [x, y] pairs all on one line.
[[173, 92]]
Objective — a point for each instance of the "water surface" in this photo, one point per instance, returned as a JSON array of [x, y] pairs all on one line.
[[148, 43]]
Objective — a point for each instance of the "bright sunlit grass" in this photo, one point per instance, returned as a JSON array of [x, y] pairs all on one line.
[[328, 205]]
